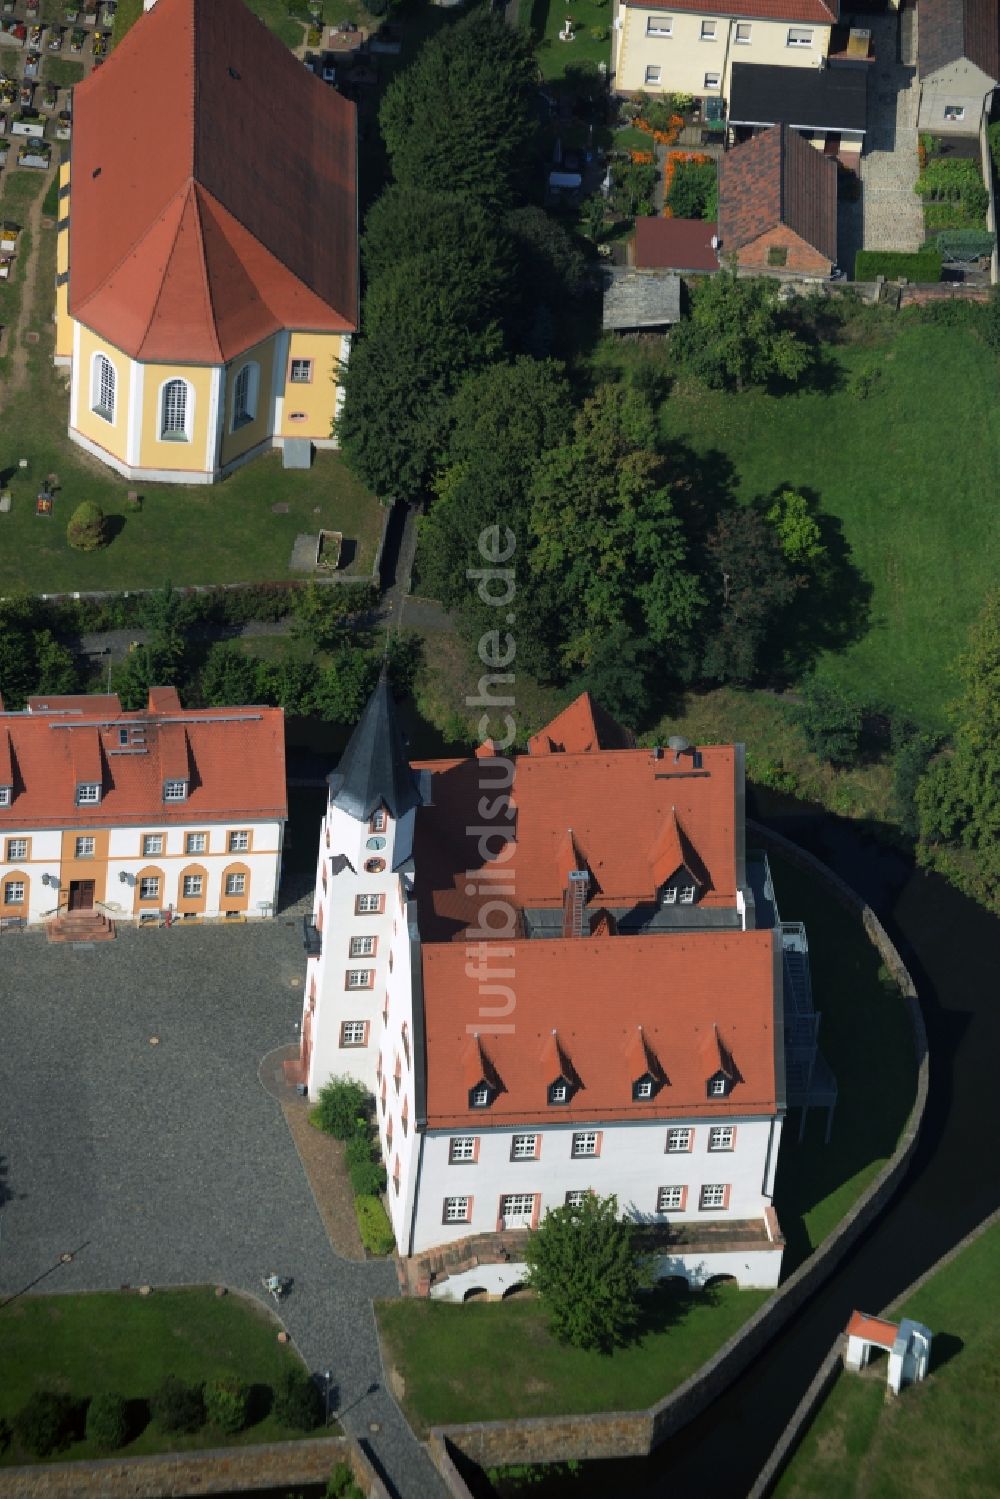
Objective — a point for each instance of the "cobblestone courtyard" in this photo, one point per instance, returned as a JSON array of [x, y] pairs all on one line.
[[169, 1163]]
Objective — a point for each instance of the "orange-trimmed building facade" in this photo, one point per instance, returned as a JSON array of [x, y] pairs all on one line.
[[207, 258], [141, 817], [560, 973]]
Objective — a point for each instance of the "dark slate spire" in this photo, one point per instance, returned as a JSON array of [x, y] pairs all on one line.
[[374, 769]]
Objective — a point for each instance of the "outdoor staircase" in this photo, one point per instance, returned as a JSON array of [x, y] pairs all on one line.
[[809, 1082], [80, 926]]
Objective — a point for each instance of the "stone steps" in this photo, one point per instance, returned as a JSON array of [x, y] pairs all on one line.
[[81, 926]]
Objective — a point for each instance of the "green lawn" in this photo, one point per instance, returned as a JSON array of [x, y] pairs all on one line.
[[64, 72], [547, 18], [222, 533], [910, 473], [82, 1345], [274, 14], [18, 191], [939, 1438], [447, 1356], [865, 1036]]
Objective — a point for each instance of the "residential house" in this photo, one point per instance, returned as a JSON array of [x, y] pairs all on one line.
[[958, 64], [778, 205], [558, 972], [690, 48], [129, 816], [829, 109], [207, 259]]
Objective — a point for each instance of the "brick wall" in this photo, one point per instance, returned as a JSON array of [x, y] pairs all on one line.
[[800, 257]]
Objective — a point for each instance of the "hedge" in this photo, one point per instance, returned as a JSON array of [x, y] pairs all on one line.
[[374, 1226], [922, 266]]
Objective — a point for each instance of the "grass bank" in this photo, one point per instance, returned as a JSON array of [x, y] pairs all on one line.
[[82, 1345], [939, 1437], [445, 1356]]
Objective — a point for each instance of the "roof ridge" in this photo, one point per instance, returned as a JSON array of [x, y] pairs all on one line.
[[218, 206], [133, 249], [196, 191]]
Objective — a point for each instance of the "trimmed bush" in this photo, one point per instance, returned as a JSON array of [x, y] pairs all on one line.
[[107, 1421], [227, 1403], [342, 1102], [832, 723], [87, 530], [298, 1403], [373, 1223], [177, 1406], [45, 1423], [921, 266]]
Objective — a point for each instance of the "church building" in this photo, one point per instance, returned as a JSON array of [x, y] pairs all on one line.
[[558, 973], [207, 253]]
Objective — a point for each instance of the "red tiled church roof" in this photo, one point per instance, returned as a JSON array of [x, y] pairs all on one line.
[[234, 759], [778, 178], [579, 729], [214, 190], [579, 1003]]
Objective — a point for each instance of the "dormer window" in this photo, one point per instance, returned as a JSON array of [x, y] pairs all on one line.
[[175, 791], [88, 793], [6, 795], [668, 895], [559, 1091], [718, 1086], [686, 895], [378, 821], [643, 1088], [479, 1097]]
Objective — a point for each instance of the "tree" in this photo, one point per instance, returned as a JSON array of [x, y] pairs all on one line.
[[176, 1406], [694, 190], [229, 678], [584, 1264], [552, 280], [472, 257], [463, 116], [499, 423], [420, 342], [605, 534], [735, 335], [344, 685], [88, 529], [322, 614], [55, 665], [958, 800], [107, 1421], [752, 584]]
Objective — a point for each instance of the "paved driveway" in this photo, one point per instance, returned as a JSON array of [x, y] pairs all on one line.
[[169, 1163], [892, 215]]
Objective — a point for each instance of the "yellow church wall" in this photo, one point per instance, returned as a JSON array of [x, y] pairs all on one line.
[[316, 399], [64, 324], [171, 453], [112, 436], [256, 431]]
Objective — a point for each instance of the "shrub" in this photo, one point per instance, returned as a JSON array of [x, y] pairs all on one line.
[[107, 1421], [599, 33], [693, 191], [342, 1103], [45, 1423], [177, 1406], [994, 138], [87, 529], [374, 1226], [912, 752], [227, 1403], [367, 1178], [298, 1403], [864, 381], [341, 1484], [919, 266]]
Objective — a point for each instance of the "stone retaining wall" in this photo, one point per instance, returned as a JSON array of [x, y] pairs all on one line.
[[177, 1475], [637, 1433]]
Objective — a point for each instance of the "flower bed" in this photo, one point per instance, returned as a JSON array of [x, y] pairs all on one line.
[[702, 199]]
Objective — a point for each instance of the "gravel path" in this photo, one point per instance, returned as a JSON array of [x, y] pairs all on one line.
[[168, 1162]]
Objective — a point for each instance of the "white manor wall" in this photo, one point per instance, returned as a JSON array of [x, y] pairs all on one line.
[[45, 856], [401, 1144], [759, 1269], [633, 1163]]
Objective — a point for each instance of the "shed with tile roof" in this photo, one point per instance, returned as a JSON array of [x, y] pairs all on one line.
[[778, 205]]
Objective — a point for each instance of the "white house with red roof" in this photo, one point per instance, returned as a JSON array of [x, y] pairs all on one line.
[[559, 973], [109, 816]]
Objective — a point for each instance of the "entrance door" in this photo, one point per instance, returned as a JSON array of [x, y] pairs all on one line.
[[81, 895]]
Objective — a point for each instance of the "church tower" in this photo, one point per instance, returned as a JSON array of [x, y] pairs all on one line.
[[363, 875]]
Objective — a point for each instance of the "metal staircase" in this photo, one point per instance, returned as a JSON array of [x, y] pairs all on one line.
[[809, 1082]]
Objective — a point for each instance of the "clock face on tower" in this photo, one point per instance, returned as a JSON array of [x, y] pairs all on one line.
[[375, 843]]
